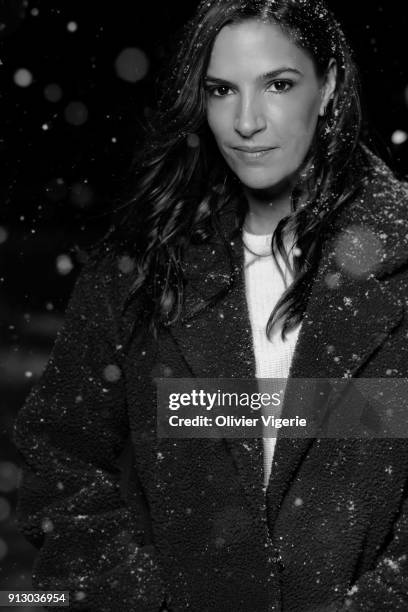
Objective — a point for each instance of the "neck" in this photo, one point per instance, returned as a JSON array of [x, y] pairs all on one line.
[[264, 213]]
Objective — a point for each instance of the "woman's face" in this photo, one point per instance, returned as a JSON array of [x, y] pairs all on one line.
[[263, 102]]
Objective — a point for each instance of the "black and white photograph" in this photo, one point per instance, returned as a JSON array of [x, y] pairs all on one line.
[[204, 306]]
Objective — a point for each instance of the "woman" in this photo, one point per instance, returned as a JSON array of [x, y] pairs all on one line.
[[256, 143]]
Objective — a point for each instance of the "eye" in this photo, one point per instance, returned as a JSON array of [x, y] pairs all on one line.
[[281, 86], [218, 92], [221, 91]]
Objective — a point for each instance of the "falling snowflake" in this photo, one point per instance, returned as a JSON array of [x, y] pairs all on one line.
[[358, 251], [23, 77], [193, 141], [64, 264], [76, 113], [126, 264], [132, 65], [3, 235], [53, 92], [399, 137]]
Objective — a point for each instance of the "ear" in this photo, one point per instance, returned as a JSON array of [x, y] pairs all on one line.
[[329, 86]]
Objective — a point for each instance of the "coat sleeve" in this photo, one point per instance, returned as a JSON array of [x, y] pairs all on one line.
[[70, 433], [385, 587]]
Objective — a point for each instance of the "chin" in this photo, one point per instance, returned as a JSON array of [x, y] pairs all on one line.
[[253, 181]]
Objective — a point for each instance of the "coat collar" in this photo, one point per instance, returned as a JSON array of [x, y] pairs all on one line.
[[348, 317]]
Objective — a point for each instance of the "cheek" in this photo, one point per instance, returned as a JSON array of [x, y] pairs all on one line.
[[299, 124], [218, 122]]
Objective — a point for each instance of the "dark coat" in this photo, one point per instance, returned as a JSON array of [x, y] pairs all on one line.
[[190, 523]]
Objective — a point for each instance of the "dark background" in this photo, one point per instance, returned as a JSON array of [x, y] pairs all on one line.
[[66, 143]]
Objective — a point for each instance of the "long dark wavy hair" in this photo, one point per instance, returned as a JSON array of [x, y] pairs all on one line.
[[182, 183]]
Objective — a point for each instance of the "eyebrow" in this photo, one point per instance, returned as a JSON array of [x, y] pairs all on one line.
[[266, 76]]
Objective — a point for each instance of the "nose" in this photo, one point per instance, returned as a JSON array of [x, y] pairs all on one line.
[[250, 118]]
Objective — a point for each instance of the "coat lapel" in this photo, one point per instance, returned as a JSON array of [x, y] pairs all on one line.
[[344, 324], [216, 342], [343, 327]]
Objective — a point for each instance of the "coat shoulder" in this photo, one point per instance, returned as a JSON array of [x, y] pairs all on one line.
[[104, 285], [378, 217]]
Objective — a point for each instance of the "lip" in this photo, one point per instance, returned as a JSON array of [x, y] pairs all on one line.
[[254, 149], [253, 154]]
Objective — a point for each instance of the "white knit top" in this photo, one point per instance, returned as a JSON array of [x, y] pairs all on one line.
[[273, 357]]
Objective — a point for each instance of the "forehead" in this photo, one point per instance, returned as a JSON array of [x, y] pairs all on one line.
[[255, 46]]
